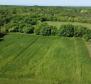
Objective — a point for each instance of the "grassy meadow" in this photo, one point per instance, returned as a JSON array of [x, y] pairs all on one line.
[[30, 59], [58, 24]]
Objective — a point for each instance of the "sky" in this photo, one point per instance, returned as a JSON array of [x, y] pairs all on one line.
[[47, 2]]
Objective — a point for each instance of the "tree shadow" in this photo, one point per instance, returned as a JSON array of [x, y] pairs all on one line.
[[1, 39]]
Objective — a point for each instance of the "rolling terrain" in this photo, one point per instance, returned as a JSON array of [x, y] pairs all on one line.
[[30, 59]]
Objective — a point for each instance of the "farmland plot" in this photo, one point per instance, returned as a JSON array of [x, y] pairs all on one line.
[[29, 59]]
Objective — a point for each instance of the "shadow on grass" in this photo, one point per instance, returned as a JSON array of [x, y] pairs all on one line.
[[1, 39]]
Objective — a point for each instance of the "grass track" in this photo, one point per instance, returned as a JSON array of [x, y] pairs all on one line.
[[29, 59]]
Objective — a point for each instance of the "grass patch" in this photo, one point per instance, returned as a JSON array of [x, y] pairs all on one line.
[[30, 59], [58, 24]]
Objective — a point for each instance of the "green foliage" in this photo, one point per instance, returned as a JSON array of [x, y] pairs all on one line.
[[42, 19], [87, 35], [23, 19], [30, 15], [66, 30], [2, 34], [38, 28], [45, 29], [19, 27], [14, 27], [28, 29], [28, 20], [79, 31], [54, 30], [69, 30]]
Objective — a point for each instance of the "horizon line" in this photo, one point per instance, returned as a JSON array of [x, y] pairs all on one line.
[[45, 5]]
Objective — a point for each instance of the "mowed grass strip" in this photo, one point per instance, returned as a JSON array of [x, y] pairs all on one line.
[[58, 24], [48, 60]]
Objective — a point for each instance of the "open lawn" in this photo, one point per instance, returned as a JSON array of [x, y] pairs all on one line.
[[58, 24], [30, 59]]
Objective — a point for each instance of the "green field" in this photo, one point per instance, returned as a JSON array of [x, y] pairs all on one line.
[[58, 24], [30, 59]]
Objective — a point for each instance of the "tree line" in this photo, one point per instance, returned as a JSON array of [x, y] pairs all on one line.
[[42, 28], [32, 20]]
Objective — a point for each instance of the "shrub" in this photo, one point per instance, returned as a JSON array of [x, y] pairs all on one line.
[[2, 34], [53, 30], [29, 20], [38, 28], [14, 29], [33, 22], [45, 31], [87, 35], [21, 27], [79, 31], [28, 29], [69, 30], [42, 19], [66, 30]]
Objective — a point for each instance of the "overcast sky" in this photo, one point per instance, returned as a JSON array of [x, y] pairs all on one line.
[[47, 2]]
